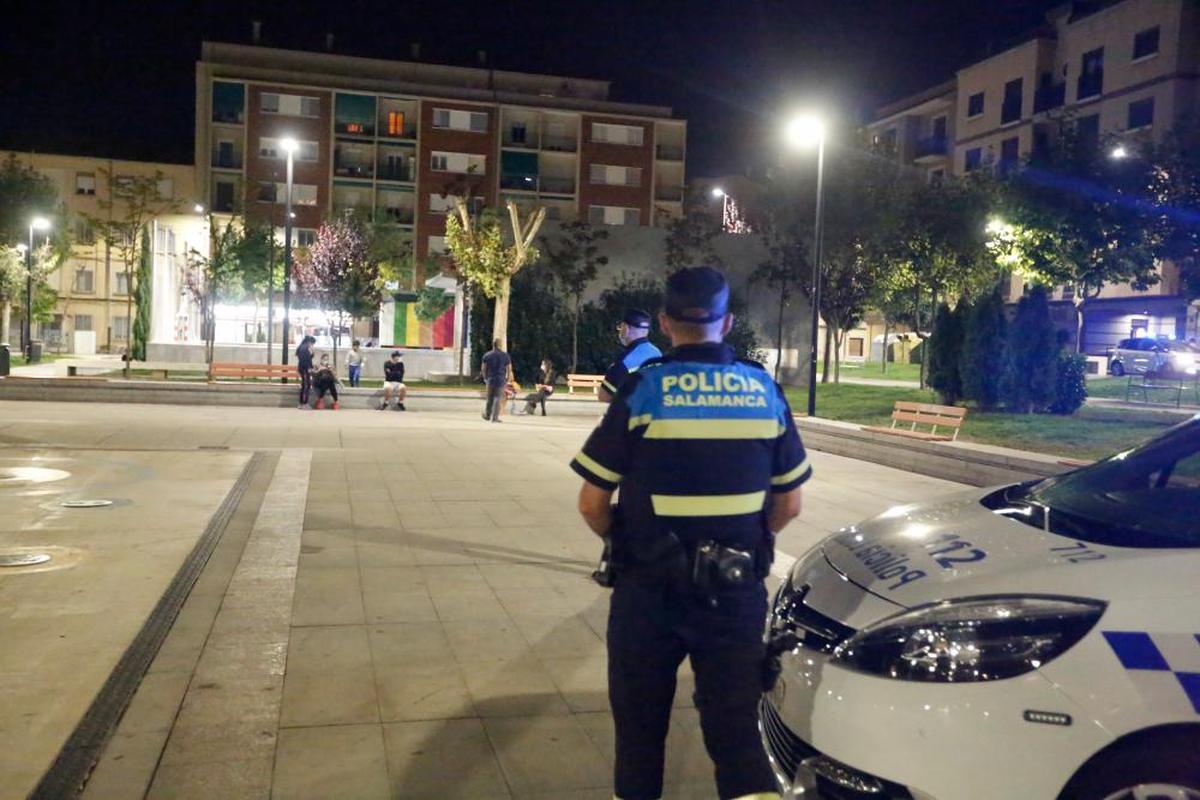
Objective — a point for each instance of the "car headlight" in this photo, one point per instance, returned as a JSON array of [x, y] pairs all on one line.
[[970, 640]]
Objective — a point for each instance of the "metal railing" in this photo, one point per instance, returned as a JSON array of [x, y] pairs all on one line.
[[668, 152], [386, 173], [547, 183], [930, 146], [395, 215], [226, 160], [354, 170], [560, 144]]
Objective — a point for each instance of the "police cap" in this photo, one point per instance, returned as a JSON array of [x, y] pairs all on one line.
[[636, 318], [697, 294]]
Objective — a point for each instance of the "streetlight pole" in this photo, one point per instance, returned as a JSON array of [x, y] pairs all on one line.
[[41, 224], [721, 193], [818, 235], [289, 146]]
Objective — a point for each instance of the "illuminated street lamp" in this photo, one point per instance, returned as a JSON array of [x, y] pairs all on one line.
[[35, 224], [803, 132], [290, 146], [1119, 152]]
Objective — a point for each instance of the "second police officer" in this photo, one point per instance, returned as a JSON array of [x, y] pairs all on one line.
[[633, 331], [709, 463]]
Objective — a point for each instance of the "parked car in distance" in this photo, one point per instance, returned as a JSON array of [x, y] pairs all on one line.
[[1143, 355]]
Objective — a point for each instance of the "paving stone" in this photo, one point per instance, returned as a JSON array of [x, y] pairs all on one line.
[[546, 754], [327, 649], [243, 779], [442, 759], [413, 643], [429, 691], [331, 761], [329, 698]]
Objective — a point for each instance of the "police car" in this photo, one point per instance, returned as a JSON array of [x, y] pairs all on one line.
[[1040, 640]]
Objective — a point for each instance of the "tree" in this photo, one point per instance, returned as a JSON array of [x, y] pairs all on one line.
[[433, 302], [477, 246], [1075, 217], [129, 205], [575, 264], [239, 261], [24, 194], [692, 237], [983, 351], [1173, 167], [787, 268], [143, 290], [1029, 382], [944, 349], [340, 272]]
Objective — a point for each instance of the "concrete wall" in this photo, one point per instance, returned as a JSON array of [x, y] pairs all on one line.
[[417, 363]]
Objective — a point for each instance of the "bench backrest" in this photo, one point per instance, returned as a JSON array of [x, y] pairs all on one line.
[[231, 370], [928, 414], [583, 381]]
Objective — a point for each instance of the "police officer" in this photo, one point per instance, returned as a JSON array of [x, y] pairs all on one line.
[[633, 330], [706, 454]]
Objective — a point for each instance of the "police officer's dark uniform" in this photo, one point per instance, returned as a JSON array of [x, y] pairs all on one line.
[[696, 441], [633, 354]]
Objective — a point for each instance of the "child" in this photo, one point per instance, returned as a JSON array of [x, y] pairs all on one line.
[[324, 381], [354, 360]]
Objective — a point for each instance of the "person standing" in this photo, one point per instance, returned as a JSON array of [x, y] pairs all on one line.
[[633, 331], [543, 388], [304, 365], [496, 365], [393, 381], [709, 463], [354, 361]]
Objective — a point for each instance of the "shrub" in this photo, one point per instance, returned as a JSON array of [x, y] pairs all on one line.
[[1070, 386], [945, 352], [1029, 380], [982, 364]]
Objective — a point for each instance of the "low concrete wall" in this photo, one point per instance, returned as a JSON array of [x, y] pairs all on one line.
[[962, 462], [417, 362]]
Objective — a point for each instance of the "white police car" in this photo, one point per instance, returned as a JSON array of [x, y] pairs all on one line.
[[1036, 641]]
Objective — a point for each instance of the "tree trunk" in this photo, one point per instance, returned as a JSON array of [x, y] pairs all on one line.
[[500, 317], [838, 336], [129, 316], [828, 342], [5, 320], [779, 333], [886, 350], [575, 338], [1078, 303], [337, 334]]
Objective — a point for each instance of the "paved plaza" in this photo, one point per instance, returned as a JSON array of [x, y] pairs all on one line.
[[397, 606]]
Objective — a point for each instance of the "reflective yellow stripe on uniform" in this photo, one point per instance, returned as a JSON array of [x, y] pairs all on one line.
[[791, 474], [709, 428], [707, 505], [640, 419], [606, 385], [594, 467]]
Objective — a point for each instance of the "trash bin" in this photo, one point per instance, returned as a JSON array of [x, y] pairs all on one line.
[[35, 351], [5, 360]]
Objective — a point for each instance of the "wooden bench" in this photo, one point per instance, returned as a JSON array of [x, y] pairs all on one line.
[[246, 371], [924, 414], [579, 381]]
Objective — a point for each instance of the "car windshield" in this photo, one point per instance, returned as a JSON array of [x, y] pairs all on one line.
[[1145, 497]]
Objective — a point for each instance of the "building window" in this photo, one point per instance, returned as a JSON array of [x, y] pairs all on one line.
[[228, 102], [1010, 109], [450, 119], [1087, 129], [269, 147], [85, 183], [608, 175], [395, 123], [120, 327], [303, 194], [972, 159], [1141, 113], [122, 278], [440, 204], [85, 280], [289, 105], [83, 322], [266, 192], [517, 133], [608, 133], [975, 105], [1145, 44], [855, 348], [467, 163], [437, 245], [224, 195], [613, 215], [1009, 153], [1091, 74], [84, 233], [305, 237], [889, 141], [166, 189]]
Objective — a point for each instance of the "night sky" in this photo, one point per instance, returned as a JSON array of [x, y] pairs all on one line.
[[117, 79]]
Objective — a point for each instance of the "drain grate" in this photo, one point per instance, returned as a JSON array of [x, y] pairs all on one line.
[[85, 503], [23, 559]]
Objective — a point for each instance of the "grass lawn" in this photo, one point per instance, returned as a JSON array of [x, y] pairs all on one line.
[[874, 370], [1089, 433], [18, 360]]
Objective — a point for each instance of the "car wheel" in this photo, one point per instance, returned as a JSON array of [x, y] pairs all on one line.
[[1173, 773], [1117, 369]]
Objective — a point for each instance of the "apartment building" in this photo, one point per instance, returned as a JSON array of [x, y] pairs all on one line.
[[91, 313], [1122, 69], [395, 140]]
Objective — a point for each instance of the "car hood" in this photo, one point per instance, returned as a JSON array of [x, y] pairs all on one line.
[[917, 554]]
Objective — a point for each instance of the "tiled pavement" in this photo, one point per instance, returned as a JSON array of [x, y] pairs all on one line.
[[410, 616]]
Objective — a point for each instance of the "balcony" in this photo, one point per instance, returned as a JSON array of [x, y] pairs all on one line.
[[520, 137], [362, 170], [519, 183], [670, 193], [930, 147], [394, 215], [1049, 97], [668, 152], [556, 185], [226, 159], [560, 144], [397, 172], [1010, 110], [1090, 85]]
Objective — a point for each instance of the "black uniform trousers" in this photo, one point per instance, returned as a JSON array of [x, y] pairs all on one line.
[[652, 626]]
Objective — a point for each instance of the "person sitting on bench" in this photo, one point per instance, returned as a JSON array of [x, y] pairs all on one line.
[[544, 386], [393, 381], [325, 382]]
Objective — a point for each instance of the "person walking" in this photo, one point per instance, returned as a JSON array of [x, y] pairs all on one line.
[[543, 388], [709, 463], [304, 365], [393, 381], [632, 332], [354, 361], [496, 366], [325, 382]]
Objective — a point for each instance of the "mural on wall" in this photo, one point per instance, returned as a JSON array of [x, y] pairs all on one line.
[[408, 331]]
